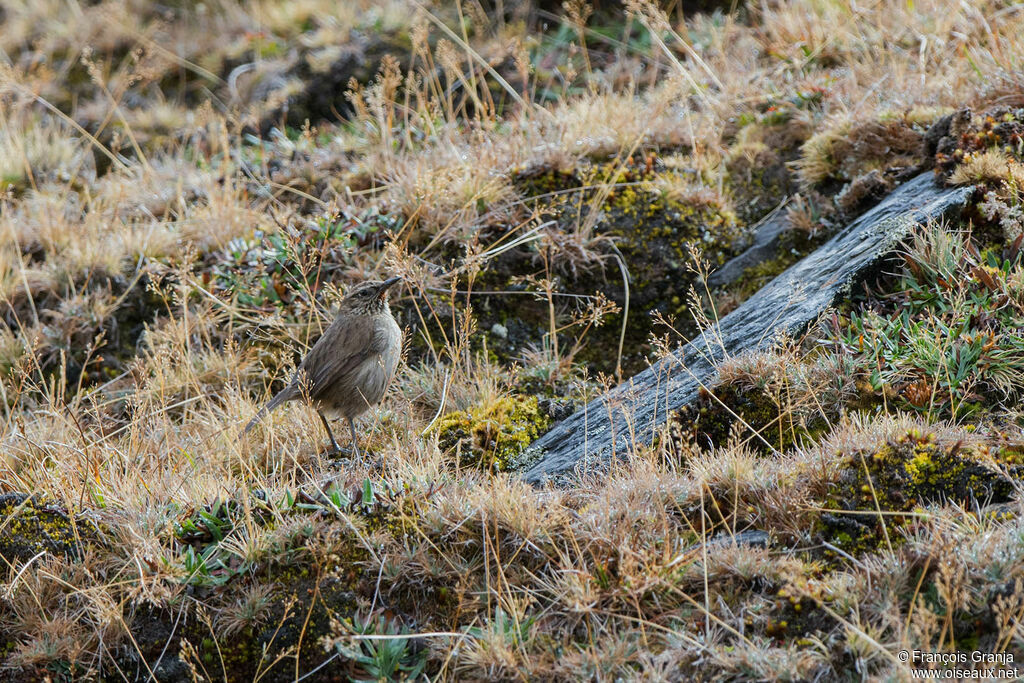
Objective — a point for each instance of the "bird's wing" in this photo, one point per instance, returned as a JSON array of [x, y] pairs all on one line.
[[342, 348]]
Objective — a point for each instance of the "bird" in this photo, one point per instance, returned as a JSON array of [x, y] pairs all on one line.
[[349, 368]]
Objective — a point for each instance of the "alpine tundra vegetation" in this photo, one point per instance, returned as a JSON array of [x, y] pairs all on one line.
[[189, 190]]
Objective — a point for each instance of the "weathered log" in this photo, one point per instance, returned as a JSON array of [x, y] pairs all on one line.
[[630, 414]]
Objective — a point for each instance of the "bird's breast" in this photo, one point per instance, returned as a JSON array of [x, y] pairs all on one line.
[[390, 335]]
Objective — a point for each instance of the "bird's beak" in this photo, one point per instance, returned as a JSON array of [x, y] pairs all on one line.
[[386, 285]]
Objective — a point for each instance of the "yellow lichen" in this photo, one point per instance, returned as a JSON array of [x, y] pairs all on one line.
[[493, 434], [910, 471]]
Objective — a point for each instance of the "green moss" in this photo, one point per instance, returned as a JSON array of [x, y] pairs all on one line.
[[655, 234], [29, 527], [533, 183], [756, 277], [904, 475], [492, 435], [635, 215]]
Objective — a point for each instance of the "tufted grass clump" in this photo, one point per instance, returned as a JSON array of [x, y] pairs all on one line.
[[849, 148]]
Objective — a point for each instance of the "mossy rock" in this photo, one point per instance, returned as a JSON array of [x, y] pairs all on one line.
[[494, 434], [28, 527], [653, 232], [906, 474], [603, 218]]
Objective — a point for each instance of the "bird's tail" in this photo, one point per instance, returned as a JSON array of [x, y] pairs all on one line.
[[279, 398]]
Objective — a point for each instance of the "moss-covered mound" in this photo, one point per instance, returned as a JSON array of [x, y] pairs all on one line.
[[769, 401], [626, 234], [492, 435], [266, 625], [906, 475], [285, 605], [761, 415], [28, 527], [759, 156]]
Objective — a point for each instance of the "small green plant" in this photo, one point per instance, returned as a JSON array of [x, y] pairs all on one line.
[[511, 631], [393, 656], [280, 267], [950, 335], [212, 523]]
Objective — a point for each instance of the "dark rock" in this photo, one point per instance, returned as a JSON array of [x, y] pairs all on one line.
[[945, 135], [934, 135], [631, 414]]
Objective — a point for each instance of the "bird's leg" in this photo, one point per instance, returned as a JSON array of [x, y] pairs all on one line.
[[330, 434], [352, 429]]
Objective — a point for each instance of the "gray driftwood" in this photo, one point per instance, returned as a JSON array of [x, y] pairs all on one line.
[[630, 414]]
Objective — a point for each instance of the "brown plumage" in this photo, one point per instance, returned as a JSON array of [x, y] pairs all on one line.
[[350, 366]]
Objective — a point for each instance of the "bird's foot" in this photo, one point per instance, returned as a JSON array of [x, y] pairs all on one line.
[[334, 452]]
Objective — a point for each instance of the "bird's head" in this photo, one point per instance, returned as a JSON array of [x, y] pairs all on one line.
[[368, 297]]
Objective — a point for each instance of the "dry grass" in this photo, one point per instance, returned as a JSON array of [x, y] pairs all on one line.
[[989, 167], [161, 266]]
